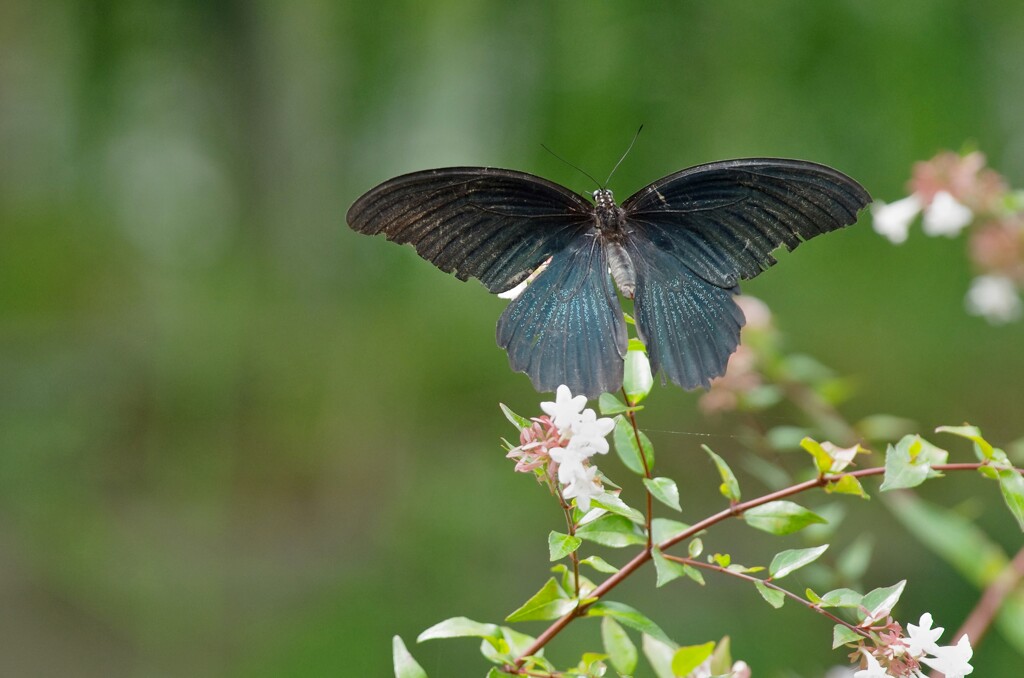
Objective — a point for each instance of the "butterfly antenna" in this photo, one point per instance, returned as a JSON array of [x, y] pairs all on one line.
[[581, 171], [635, 137]]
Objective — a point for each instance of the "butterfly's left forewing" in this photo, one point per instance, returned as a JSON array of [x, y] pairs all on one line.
[[495, 225], [567, 325]]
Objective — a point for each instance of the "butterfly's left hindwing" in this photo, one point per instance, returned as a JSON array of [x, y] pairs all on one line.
[[567, 325]]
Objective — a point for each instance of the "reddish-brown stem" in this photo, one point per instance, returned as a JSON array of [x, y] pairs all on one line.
[[733, 511], [643, 459], [984, 612], [743, 575]]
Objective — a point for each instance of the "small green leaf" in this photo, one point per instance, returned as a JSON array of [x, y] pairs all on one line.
[[666, 569], [822, 459], [517, 421], [621, 650], [774, 597], [879, 603], [721, 659], [458, 627], [626, 447], [611, 530], [812, 596], [551, 602], [517, 642], [659, 655], [722, 559], [909, 462], [786, 562], [613, 504], [694, 574], [842, 635], [781, 517], [599, 564], [1012, 485], [729, 488], [687, 658], [405, 665], [847, 485], [696, 547], [560, 545], [609, 405], [982, 448], [664, 490], [637, 379], [627, 616]]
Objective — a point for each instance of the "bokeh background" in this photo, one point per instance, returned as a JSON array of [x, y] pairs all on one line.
[[238, 439]]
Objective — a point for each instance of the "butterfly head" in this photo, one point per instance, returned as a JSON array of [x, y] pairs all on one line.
[[604, 198]]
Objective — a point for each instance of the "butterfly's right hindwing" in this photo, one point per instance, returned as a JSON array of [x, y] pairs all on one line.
[[492, 224], [567, 325]]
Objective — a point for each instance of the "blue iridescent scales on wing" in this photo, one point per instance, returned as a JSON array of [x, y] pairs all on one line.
[[678, 247]]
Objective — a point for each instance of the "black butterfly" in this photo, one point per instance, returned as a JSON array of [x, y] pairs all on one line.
[[678, 248]]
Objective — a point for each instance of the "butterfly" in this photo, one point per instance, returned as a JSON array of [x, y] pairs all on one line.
[[678, 248]]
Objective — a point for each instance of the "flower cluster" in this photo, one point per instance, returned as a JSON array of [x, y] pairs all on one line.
[[562, 443], [903, 655], [954, 192]]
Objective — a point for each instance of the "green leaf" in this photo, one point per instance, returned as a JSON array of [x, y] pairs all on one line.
[[774, 597], [663, 529], [517, 642], [982, 448], [609, 405], [551, 602], [1012, 485], [637, 379], [614, 531], [666, 569], [613, 504], [621, 650], [627, 616], [791, 560], [405, 665], [729, 488], [842, 598], [626, 447], [659, 655], [599, 564], [517, 421], [560, 545], [879, 603], [694, 574], [909, 462], [696, 547], [687, 658], [664, 490], [847, 485], [822, 459], [841, 635], [781, 517], [458, 627], [722, 559], [721, 658]]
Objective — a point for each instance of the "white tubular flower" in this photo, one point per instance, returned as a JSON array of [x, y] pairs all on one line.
[[874, 669], [583, 487], [588, 432], [952, 661], [893, 219], [946, 216], [923, 638], [570, 462], [995, 298], [565, 410]]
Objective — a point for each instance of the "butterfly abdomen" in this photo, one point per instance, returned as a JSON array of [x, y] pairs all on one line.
[[621, 266]]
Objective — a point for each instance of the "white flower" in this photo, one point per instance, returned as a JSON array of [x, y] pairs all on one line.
[[570, 462], [994, 297], [588, 432], [923, 638], [893, 219], [946, 216], [874, 669], [953, 661], [565, 410], [583, 488]]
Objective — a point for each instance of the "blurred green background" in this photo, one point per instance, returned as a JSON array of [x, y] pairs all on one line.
[[238, 439]]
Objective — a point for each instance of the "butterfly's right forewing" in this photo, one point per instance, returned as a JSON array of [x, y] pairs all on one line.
[[492, 224]]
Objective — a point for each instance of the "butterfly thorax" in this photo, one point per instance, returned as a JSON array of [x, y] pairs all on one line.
[[610, 217], [611, 222]]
